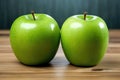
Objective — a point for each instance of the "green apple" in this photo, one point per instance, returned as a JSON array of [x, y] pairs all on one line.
[[84, 39], [35, 38]]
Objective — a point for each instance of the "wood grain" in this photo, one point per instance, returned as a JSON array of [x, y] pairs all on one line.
[[59, 68]]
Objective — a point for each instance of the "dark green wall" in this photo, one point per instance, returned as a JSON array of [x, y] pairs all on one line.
[[109, 10]]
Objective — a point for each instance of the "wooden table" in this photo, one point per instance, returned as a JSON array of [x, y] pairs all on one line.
[[59, 68]]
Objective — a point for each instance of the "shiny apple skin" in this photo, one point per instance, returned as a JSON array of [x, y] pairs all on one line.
[[84, 42], [35, 42]]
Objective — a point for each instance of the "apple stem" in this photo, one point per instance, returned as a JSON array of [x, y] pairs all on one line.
[[33, 15], [85, 13]]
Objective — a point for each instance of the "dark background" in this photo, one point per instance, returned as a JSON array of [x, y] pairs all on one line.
[[109, 10]]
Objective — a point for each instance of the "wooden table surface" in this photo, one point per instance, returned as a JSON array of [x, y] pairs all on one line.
[[59, 68]]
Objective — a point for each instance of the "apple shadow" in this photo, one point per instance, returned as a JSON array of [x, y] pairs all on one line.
[[37, 66], [82, 66]]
